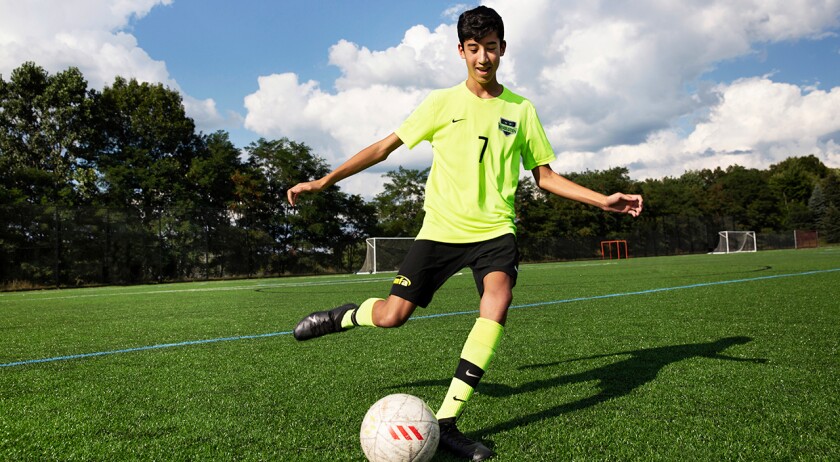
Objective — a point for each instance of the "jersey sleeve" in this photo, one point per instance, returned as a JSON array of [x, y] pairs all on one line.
[[538, 150], [420, 124]]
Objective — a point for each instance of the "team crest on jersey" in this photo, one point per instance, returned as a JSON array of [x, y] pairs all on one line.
[[508, 127]]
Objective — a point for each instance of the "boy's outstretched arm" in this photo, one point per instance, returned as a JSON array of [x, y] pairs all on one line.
[[550, 181], [367, 157]]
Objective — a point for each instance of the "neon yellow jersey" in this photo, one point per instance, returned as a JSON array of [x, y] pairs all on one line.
[[478, 145]]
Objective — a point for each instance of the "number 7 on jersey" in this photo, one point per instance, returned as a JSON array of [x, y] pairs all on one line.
[[483, 148]]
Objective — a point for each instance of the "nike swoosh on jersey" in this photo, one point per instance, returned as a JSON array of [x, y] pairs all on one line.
[[454, 121]]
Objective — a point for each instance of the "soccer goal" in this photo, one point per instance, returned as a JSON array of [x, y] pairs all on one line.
[[806, 239], [385, 254], [618, 243], [736, 241]]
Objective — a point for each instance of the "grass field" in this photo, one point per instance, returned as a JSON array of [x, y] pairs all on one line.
[[708, 357]]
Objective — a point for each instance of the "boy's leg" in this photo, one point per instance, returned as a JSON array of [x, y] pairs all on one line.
[[373, 312], [426, 267], [376, 312], [478, 352]]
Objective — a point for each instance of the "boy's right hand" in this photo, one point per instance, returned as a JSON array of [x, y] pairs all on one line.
[[308, 186]]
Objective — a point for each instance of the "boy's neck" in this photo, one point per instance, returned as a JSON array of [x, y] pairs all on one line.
[[489, 90]]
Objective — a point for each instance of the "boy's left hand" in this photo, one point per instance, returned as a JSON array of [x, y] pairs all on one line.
[[624, 203]]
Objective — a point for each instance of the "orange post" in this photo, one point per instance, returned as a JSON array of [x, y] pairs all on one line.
[[609, 246]]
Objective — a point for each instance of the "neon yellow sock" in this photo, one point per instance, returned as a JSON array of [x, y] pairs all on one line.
[[363, 314], [478, 352]]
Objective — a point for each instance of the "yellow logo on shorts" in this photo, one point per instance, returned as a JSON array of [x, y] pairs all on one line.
[[402, 281]]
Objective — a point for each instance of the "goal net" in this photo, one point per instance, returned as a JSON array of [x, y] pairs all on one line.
[[805, 239], [735, 241], [385, 254]]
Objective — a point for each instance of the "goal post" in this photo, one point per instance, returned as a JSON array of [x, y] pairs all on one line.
[[384, 254], [736, 242]]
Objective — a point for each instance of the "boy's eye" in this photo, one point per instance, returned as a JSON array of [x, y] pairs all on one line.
[[475, 49]]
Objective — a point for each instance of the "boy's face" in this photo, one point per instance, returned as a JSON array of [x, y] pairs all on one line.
[[483, 57]]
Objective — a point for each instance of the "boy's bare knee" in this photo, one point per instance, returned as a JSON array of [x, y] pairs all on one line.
[[497, 297], [393, 312], [391, 320]]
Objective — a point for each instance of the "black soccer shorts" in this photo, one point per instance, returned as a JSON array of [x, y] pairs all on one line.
[[429, 264]]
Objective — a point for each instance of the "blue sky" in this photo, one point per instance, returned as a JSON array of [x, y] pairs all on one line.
[[657, 87], [800, 62], [217, 48], [258, 38]]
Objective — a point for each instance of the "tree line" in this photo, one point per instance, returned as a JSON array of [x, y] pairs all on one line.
[[118, 186]]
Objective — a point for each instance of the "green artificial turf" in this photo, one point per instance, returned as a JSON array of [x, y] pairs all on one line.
[[706, 357]]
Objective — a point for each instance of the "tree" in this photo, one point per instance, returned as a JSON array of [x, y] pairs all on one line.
[[541, 215], [45, 130], [744, 195], [209, 206], [674, 196], [358, 221], [144, 150], [212, 170], [792, 181], [146, 147], [534, 217], [313, 234], [585, 220], [399, 207], [825, 205]]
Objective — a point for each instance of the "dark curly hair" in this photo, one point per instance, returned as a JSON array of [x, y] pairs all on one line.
[[478, 23]]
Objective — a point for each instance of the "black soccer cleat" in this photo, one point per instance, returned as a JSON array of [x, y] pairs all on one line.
[[457, 443], [322, 322]]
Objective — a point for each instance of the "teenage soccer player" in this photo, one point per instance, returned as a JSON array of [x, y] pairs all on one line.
[[480, 132]]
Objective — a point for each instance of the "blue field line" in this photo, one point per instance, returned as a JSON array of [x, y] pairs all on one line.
[[417, 318], [640, 292], [143, 348]]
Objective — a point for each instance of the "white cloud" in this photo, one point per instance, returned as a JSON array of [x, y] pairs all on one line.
[[758, 111], [610, 80], [756, 123], [90, 35], [424, 59], [336, 125], [608, 73], [453, 12], [377, 90]]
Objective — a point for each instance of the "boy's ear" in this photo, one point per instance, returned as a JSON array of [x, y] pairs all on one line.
[[502, 48], [461, 51]]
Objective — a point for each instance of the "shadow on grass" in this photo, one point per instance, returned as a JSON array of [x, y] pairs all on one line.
[[613, 380]]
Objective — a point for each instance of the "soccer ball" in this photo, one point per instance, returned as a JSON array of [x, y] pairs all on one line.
[[399, 428]]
